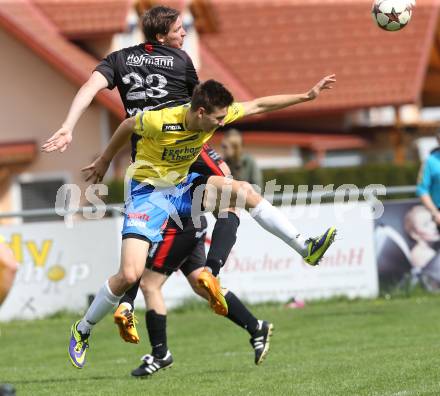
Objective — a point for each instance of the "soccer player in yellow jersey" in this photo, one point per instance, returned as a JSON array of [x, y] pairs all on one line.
[[8, 268], [168, 142]]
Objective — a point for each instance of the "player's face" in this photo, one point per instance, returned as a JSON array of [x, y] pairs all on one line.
[[213, 120], [174, 38]]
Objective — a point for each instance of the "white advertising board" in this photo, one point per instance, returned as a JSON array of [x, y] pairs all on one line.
[[263, 268], [60, 266]]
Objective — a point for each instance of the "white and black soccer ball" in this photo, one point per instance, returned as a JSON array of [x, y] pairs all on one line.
[[392, 15]]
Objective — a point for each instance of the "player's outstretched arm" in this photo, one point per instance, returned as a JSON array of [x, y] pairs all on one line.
[[61, 139], [278, 102], [96, 171]]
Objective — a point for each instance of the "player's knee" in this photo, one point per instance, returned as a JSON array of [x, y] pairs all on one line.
[[199, 291], [194, 285], [250, 191], [192, 280], [129, 277], [246, 195], [148, 287]]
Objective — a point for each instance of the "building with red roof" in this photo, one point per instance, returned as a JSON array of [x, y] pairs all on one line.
[[260, 48], [40, 74], [254, 47]]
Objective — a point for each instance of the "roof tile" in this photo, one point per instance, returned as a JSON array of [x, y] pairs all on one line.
[[79, 18], [290, 45]]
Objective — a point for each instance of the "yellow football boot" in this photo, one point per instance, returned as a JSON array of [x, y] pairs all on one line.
[[126, 322], [210, 283]]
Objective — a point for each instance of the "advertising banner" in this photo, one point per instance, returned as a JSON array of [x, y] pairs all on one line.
[[407, 246], [61, 267], [263, 268]]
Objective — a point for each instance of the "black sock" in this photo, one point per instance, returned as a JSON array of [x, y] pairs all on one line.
[[223, 238], [130, 294], [157, 331], [240, 315]]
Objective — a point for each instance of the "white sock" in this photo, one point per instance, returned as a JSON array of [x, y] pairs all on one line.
[[127, 305], [103, 303], [275, 222]]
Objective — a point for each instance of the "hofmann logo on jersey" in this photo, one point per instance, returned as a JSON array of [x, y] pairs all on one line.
[[165, 62], [172, 127]]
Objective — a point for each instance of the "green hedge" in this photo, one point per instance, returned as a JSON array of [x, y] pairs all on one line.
[[361, 176], [115, 191]]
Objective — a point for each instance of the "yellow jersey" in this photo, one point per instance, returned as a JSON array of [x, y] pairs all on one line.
[[164, 149]]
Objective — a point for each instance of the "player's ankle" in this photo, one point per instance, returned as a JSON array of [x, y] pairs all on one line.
[[159, 351], [127, 305]]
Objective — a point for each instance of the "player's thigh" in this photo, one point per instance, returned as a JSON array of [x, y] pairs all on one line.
[[134, 252], [222, 193]]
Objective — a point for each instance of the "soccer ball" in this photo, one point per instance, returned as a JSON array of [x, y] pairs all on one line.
[[392, 15]]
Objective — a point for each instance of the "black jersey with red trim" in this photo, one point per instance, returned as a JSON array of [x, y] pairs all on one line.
[[208, 162], [150, 76]]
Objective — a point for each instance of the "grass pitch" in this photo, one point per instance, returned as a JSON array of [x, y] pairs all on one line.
[[380, 347]]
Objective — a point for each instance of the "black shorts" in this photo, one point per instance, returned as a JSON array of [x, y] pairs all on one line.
[[182, 249]]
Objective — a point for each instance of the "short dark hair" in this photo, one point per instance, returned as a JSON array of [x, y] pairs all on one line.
[[209, 95], [158, 20]]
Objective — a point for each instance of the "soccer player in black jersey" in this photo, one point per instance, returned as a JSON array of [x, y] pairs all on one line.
[[151, 75], [154, 74]]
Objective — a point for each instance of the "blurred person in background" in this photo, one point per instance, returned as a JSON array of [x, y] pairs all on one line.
[[243, 166], [428, 187], [8, 269]]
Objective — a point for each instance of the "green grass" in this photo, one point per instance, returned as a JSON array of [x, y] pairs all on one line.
[[381, 347]]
